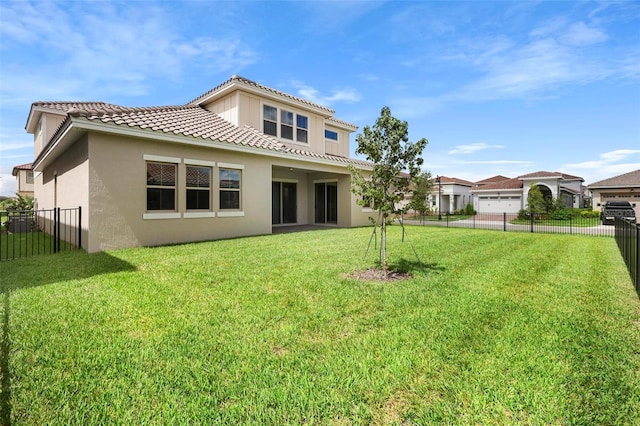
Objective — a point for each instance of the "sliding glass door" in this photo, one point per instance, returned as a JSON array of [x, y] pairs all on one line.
[[284, 204], [326, 202]]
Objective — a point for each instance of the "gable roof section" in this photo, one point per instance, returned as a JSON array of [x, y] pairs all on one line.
[[60, 108], [549, 175], [251, 86], [631, 179], [186, 124], [28, 166], [444, 180], [508, 184], [493, 179]]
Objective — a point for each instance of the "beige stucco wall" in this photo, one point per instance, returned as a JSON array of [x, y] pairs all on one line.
[[118, 195], [22, 187]]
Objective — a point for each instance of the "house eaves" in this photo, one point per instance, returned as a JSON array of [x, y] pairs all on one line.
[[75, 126]]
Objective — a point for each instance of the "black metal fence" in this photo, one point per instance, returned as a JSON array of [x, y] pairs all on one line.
[[510, 222], [627, 236], [39, 232]]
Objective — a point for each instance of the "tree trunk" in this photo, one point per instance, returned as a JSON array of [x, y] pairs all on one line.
[[383, 244]]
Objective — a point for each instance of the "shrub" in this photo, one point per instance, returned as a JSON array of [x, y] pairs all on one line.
[[586, 214]]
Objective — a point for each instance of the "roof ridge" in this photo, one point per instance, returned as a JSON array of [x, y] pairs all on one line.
[[237, 78]]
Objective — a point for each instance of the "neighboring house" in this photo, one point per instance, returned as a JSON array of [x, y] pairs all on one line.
[[235, 161], [451, 194], [503, 195], [624, 187], [24, 179]]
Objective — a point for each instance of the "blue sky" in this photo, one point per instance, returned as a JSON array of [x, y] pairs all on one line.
[[497, 87]]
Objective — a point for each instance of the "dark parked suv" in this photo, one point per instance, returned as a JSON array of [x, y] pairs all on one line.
[[613, 209]]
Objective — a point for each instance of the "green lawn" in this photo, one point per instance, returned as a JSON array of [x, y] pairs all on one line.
[[494, 328]]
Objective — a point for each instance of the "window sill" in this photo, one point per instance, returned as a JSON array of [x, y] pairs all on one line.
[[230, 214], [195, 215], [161, 216]]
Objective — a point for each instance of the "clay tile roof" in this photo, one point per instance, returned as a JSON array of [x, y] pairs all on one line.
[[195, 122], [454, 180], [497, 178], [544, 174], [28, 166], [190, 121], [64, 107], [503, 184], [626, 179], [245, 81]]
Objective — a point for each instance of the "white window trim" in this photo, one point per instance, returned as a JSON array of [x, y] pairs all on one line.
[[175, 215], [198, 215], [191, 162], [231, 214], [230, 166], [161, 158]]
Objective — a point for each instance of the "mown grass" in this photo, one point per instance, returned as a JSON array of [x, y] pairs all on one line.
[[494, 328]]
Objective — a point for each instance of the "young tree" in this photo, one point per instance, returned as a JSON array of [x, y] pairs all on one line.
[[535, 200], [387, 145], [421, 188]]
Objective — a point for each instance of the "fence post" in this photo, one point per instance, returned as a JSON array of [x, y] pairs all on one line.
[[531, 216], [80, 227], [504, 221], [56, 230]]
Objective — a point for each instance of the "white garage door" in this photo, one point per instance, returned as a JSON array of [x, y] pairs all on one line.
[[499, 205]]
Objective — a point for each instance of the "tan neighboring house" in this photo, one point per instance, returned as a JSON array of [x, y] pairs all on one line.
[[503, 195], [236, 161], [24, 179], [624, 187]]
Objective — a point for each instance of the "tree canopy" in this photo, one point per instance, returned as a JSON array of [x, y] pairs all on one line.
[[396, 162]]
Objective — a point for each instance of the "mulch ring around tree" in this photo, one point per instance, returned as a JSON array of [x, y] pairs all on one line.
[[378, 275]]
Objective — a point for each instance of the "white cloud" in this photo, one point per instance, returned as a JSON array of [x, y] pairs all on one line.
[[609, 164], [348, 95], [579, 34], [105, 48], [472, 148], [7, 185]]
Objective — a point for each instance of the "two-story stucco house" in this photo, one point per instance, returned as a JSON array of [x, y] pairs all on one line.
[[236, 161], [24, 179]]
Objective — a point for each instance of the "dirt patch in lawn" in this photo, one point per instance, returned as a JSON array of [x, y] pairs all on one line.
[[378, 275]]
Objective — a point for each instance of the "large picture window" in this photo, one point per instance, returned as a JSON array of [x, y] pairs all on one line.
[[230, 187], [198, 188], [161, 186]]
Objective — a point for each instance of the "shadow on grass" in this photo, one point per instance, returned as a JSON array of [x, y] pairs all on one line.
[[413, 266], [38, 271]]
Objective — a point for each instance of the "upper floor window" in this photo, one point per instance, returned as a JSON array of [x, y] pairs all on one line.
[[302, 130], [290, 124], [29, 177], [329, 134], [286, 126], [270, 121]]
